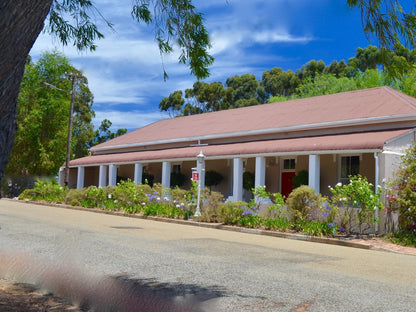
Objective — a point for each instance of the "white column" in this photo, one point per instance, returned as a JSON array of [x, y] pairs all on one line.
[[112, 174], [61, 176], [102, 180], [376, 183], [138, 173], [260, 176], [314, 172], [80, 177], [237, 179], [166, 170]]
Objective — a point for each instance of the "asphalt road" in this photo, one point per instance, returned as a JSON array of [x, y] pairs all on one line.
[[226, 271]]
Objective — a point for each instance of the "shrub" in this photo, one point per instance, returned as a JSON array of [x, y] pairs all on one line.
[[301, 178], [359, 201], [278, 223], [74, 197], [45, 190], [211, 206], [230, 212], [94, 197], [316, 228], [402, 193], [213, 178], [303, 203]]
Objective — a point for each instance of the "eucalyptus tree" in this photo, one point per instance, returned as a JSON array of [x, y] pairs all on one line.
[[42, 121], [21, 21]]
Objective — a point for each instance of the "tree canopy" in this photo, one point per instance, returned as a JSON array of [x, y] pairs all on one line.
[[368, 68], [40, 141]]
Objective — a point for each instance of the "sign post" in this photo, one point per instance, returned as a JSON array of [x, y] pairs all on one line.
[[196, 176]]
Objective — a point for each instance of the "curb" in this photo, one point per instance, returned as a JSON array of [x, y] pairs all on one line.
[[219, 226]]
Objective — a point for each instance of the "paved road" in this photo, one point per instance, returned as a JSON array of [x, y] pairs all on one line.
[[231, 271]]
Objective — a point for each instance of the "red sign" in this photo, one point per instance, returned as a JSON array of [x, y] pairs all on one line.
[[195, 176]]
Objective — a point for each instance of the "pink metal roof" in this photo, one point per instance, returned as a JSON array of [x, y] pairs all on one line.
[[369, 103], [354, 141]]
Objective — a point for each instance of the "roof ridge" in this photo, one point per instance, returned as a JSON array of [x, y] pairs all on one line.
[[401, 95]]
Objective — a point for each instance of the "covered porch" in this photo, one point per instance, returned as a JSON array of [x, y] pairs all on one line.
[[273, 169]]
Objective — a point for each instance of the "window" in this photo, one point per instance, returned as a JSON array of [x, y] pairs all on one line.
[[350, 166], [289, 164]]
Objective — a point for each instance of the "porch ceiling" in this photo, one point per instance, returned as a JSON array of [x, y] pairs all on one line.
[[354, 141]]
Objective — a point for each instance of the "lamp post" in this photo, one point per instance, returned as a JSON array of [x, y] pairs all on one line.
[[200, 165], [72, 76]]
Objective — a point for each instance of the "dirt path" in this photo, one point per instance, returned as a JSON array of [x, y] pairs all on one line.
[[23, 297]]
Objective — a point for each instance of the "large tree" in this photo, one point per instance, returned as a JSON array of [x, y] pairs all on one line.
[[21, 21], [40, 141]]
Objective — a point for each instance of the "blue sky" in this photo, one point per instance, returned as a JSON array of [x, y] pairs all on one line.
[[125, 73]]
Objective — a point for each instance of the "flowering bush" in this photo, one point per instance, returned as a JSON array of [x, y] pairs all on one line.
[[45, 190], [402, 194], [359, 202]]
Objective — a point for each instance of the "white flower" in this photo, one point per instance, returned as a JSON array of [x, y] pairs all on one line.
[[182, 204], [339, 184], [375, 207], [109, 196], [165, 198], [143, 204], [178, 206]]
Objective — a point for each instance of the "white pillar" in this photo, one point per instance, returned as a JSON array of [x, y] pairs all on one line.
[[80, 177], [376, 183], [102, 180], [61, 176], [112, 174], [260, 176], [166, 170], [138, 173], [237, 179], [314, 172]]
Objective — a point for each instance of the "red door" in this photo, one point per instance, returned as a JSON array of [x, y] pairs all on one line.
[[287, 183]]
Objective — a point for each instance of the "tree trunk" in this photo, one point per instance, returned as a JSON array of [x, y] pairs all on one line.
[[21, 21]]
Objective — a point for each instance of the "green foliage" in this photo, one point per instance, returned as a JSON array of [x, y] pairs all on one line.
[[404, 238], [304, 211], [301, 178], [74, 197], [315, 228], [359, 201], [278, 223], [213, 178], [177, 21], [402, 192], [177, 179], [388, 21], [40, 141], [103, 133], [303, 203], [248, 180], [45, 190]]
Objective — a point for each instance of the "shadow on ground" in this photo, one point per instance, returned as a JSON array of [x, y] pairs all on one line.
[[48, 287]]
